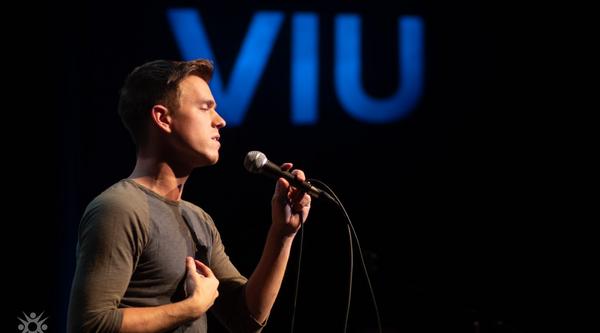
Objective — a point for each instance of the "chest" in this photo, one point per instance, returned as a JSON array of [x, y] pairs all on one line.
[[172, 237]]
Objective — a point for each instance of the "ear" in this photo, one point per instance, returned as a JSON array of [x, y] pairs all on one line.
[[161, 117]]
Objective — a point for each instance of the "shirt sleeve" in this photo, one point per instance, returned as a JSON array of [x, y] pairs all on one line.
[[230, 307], [111, 239]]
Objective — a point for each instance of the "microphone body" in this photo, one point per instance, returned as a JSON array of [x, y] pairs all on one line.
[[257, 162]]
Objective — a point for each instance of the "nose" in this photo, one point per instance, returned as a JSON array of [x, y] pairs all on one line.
[[218, 121]]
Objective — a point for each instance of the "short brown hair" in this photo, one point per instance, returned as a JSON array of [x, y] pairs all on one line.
[[155, 82]]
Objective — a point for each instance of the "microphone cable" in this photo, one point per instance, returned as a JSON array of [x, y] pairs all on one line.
[[351, 233], [297, 276]]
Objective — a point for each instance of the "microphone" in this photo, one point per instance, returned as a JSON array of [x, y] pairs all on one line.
[[257, 162]]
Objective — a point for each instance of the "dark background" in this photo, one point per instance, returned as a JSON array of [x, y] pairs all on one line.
[[450, 203]]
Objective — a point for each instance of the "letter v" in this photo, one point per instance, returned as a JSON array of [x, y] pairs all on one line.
[[193, 43]]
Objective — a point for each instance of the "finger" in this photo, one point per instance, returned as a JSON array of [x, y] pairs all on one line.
[[297, 205], [204, 270], [282, 185], [302, 201], [189, 264], [281, 189], [297, 195], [305, 201], [299, 174]]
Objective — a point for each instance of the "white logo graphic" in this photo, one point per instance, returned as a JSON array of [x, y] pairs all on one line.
[[32, 323]]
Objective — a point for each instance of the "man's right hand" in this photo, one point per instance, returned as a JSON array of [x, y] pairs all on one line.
[[201, 286]]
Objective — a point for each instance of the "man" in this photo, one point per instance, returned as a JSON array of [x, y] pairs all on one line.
[[148, 261]]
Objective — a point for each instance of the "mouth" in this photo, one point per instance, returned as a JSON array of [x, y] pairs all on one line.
[[216, 138]]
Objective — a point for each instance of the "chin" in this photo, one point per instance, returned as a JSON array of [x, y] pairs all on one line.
[[211, 159]]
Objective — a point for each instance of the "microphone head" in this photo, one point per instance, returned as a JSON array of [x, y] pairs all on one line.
[[254, 161]]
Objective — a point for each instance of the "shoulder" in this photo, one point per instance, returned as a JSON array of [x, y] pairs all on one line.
[[121, 197], [122, 204]]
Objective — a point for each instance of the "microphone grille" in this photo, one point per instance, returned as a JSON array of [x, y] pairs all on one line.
[[254, 161]]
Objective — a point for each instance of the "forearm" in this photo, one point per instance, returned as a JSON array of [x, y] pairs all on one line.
[[158, 318], [265, 282]]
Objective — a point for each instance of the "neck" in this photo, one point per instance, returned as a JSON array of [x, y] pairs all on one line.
[[160, 176]]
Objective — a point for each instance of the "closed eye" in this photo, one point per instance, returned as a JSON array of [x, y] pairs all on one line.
[[207, 105]]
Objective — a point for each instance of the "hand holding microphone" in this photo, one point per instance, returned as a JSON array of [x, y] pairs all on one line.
[[257, 162]]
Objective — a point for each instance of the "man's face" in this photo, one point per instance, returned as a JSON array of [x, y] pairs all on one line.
[[196, 122]]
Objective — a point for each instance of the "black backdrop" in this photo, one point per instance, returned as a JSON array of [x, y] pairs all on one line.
[[440, 199]]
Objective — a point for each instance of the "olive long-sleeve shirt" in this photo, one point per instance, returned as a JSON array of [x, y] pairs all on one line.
[[131, 252]]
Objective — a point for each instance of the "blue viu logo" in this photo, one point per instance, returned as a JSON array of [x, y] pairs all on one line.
[[234, 98]]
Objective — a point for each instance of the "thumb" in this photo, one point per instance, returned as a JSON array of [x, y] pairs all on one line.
[[189, 264], [282, 185], [280, 195]]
